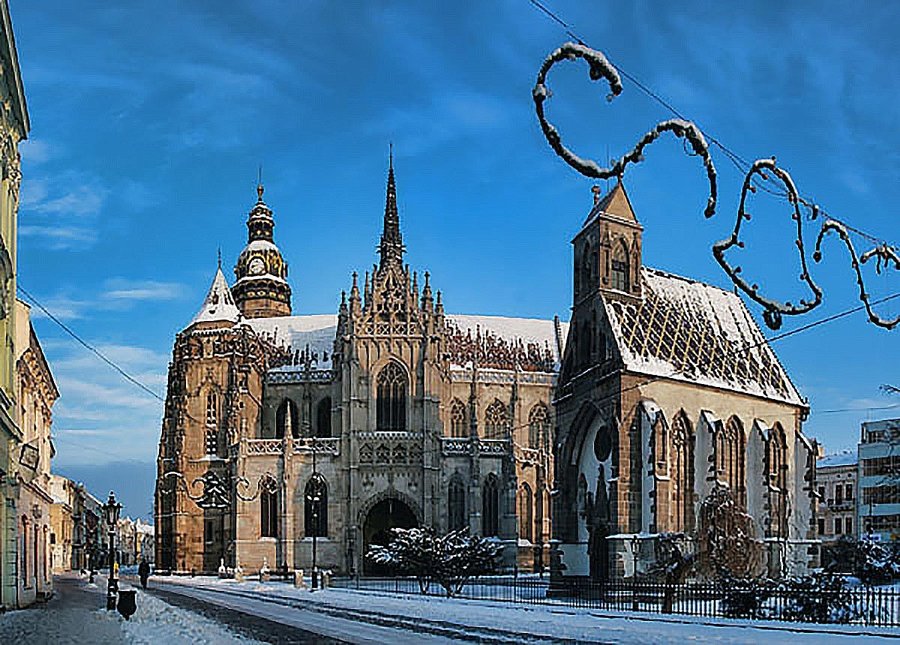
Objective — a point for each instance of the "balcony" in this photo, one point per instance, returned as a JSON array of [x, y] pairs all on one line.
[[327, 446]]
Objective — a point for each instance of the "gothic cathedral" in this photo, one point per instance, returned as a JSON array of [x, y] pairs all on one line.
[[287, 438]]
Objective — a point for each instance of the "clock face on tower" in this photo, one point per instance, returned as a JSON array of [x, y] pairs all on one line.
[[257, 266]]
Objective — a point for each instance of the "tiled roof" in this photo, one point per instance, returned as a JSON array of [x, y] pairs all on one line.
[[694, 332]]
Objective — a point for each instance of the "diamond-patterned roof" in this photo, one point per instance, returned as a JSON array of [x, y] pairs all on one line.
[[691, 331]]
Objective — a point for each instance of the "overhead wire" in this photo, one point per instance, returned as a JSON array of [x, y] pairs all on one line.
[[740, 162]]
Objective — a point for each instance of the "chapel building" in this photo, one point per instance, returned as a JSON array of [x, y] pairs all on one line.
[[292, 437], [673, 415]]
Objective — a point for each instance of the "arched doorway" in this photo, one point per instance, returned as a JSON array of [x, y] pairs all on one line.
[[387, 514]]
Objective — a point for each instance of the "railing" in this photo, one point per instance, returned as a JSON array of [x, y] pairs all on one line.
[[322, 446], [861, 605]]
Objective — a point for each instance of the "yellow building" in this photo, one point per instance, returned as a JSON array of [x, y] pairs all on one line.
[[14, 128]]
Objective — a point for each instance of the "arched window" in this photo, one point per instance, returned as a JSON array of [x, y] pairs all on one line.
[[456, 504], [730, 462], [619, 268], [316, 507], [586, 277], [496, 421], [268, 512], [323, 418], [490, 507], [391, 401], [538, 426], [458, 419], [212, 420], [682, 475], [777, 473], [526, 513], [286, 421]]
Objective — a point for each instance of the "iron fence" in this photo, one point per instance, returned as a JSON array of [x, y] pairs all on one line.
[[860, 605]]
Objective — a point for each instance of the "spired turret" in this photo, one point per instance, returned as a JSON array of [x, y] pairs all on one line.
[[261, 289]]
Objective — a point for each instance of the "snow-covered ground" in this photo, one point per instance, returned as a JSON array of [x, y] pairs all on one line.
[[77, 614], [474, 619]]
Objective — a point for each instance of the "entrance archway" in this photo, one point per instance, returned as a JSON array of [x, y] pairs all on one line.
[[387, 514]]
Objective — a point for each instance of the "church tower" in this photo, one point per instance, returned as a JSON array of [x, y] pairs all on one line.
[[261, 290]]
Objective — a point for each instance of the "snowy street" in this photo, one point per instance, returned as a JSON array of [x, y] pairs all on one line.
[[366, 617]]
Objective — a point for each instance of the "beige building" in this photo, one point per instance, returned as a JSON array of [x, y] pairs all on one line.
[[322, 432], [837, 496], [36, 393], [62, 523], [669, 398]]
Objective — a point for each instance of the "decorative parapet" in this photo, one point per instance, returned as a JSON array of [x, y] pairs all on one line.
[[493, 446], [279, 376], [487, 375], [454, 446], [396, 448], [264, 446], [488, 447], [324, 446]]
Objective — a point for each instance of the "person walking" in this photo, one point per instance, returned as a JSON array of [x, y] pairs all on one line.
[[144, 572]]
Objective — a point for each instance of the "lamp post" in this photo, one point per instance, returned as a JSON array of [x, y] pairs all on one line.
[[111, 509]]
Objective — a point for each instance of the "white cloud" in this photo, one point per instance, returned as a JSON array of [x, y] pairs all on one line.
[[35, 151], [121, 289]]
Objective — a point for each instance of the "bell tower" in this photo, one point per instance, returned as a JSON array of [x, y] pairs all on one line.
[[261, 289]]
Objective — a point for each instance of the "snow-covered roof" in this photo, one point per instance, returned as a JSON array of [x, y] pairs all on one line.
[[845, 457], [313, 334], [694, 332], [259, 245], [538, 333], [219, 304]]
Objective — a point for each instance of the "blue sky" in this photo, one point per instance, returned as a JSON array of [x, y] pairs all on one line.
[[150, 119]]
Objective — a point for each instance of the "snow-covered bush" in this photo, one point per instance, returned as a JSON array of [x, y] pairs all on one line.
[[871, 562], [822, 597], [451, 560], [745, 597]]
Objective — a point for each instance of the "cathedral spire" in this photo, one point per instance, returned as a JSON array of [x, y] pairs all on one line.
[[391, 247]]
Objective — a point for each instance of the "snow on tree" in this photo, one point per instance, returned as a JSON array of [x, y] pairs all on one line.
[[727, 542], [451, 560]]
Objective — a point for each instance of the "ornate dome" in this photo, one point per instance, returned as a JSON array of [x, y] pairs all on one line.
[[261, 289]]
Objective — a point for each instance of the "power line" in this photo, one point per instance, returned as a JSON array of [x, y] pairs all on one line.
[[88, 346], [740, 162]]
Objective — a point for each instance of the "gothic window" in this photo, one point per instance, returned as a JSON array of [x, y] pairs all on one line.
[[777, 473], [682, 475], [458, 419], [619, 269], [490, 507], [212, 430], [323, 418], [586, 269], [495, 421], [391, 401], [286, 421], [212, 408], [538, 426], [730, 464], [316, 507], [456, 504], [268, 513], [526, 515]]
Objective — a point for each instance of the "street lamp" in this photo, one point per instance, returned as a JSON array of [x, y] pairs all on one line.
[[111, 510]]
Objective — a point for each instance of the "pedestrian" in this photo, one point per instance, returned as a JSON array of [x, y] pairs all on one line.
[[144, 572]]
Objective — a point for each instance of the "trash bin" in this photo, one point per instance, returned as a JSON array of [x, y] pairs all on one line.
[[127, 602]]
